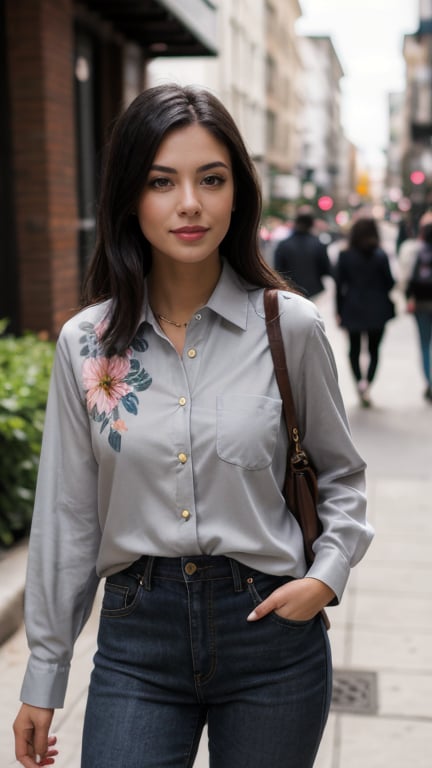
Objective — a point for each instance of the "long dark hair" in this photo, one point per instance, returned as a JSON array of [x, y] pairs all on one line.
[[364, 235], [122, 255]]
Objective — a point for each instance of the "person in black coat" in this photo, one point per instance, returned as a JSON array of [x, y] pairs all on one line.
[[363, 283], [302, 258]]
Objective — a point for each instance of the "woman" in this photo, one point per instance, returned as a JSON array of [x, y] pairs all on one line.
[[162, 468], [419, 302], [363, 283]]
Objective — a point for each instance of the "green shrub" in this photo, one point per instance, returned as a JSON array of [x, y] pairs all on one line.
[[25, 367]]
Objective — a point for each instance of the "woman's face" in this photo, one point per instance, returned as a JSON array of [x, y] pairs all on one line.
[[184, 210]]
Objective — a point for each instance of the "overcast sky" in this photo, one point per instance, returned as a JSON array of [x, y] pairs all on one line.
[[368, 38]]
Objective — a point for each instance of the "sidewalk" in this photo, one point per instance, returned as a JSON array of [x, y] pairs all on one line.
[[381, 635]]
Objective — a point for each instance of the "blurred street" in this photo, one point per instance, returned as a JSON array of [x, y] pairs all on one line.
[[383, 629]]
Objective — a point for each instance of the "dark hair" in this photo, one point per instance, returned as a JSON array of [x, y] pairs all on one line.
[[122, 255], [426, 233], [303, 222], [364, 235]]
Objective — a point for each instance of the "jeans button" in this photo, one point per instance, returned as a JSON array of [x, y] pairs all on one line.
[[190, 568]]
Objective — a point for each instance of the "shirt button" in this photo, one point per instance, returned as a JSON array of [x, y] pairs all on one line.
[[191, 568], [182, 458], [182, 401], [192, 353], [198, 316], [185, 514]]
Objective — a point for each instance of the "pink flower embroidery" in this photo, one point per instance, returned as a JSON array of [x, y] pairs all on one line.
[[119, 425], [103, 378]]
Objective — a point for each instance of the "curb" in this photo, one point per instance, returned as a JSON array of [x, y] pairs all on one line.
[[13, 565]]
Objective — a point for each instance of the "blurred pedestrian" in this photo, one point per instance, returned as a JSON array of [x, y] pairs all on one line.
[[363, 283], [406, 231], [408, 253], [162, 470], [419, 302], [302, 257]]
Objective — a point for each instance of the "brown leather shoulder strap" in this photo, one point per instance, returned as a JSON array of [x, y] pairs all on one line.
[[271, 307]]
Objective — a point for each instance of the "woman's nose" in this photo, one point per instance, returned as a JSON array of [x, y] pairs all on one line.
[[189, 203]]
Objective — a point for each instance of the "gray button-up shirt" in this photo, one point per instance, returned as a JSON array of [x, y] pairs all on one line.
[[157, 454]]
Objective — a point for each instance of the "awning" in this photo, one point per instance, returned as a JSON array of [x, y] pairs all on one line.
[[163, 27]]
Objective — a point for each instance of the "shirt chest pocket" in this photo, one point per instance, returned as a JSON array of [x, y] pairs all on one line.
[[247, 428]]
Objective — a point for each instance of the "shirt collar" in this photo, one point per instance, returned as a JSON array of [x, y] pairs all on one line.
[[229, 299]]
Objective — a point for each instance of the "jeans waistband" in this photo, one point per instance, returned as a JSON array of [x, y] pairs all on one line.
[[189, 569]]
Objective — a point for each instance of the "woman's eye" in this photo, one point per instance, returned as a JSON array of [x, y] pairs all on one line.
[[213, 180], [160, 183]]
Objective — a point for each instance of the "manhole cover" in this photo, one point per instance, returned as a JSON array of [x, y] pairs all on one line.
[[355, 691]]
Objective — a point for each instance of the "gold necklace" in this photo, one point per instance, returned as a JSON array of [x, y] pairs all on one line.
[[171, 322]]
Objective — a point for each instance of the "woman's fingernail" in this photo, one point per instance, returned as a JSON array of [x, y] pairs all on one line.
[[37, 759], [252, 616]]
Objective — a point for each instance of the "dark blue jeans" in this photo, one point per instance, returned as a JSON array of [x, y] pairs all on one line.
[[175, 650], [424, 324]]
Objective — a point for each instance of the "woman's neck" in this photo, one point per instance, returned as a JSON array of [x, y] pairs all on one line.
[[177, 293]]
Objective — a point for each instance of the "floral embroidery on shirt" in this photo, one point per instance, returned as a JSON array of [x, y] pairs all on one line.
[[111, 383]]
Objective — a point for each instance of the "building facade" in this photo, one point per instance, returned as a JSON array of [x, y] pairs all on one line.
[[416, 142], [323, 135], [68, 68], [284, 101], [396, 138]]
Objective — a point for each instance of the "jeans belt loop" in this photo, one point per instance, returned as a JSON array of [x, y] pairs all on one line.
[[237, 579], [148, 573]]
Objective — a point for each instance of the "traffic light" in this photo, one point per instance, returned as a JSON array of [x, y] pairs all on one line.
[[325, 203], [417, 177]]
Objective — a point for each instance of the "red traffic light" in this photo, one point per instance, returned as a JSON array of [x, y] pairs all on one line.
[[417, 177], [325, 203]]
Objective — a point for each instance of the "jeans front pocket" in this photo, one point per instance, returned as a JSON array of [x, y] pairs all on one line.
[[261, 586], [122, 594]]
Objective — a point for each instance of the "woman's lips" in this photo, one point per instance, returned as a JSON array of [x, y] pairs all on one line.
[[190, 234]]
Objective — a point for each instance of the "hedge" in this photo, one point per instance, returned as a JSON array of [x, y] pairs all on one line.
[[25, 367]]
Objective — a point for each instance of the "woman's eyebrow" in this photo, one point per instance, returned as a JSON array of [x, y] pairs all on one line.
[[163, 169], [210, 166], [206, 167]]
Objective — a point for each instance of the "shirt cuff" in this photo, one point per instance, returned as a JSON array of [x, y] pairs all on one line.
[[45, 684], [331, 567]]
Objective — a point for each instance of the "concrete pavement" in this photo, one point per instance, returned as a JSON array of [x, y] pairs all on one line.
[[381, 635]]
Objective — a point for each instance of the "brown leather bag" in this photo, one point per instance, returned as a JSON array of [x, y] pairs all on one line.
[[300, 488]]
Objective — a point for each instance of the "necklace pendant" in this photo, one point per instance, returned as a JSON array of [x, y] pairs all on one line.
[[171, 322]]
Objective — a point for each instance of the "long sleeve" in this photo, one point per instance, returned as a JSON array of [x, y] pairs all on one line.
[[326, 437], [64, 541]]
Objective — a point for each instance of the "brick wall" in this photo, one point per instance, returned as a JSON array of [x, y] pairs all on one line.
[[40, 50]]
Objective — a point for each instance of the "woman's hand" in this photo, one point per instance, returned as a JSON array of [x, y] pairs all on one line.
[[299, 600], [33, 746]]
